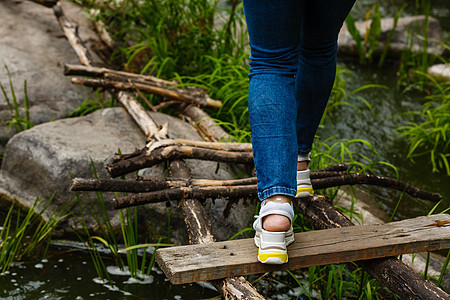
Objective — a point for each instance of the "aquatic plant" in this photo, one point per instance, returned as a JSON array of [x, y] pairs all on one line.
[[369, 44], [428, 132], [21, 235], [111, 237]]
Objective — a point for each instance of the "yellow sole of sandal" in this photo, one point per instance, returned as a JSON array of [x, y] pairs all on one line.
[[304, 192], [275, 258]]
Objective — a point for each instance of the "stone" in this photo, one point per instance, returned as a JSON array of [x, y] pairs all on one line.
[[401, 38], [34, 48], [39, 162], [440, 71]]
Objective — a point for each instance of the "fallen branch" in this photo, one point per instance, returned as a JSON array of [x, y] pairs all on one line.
[[179, 193], [148, 184], [71, 32], [391, 272], [205, 124], [141, 117], [244, 147], [249, 191], [199, 231], [117, 166], [124, 81], [46, 3], [230, 288], [358, 178]]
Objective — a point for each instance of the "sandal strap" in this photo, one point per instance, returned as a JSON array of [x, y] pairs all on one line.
[[277, 208]]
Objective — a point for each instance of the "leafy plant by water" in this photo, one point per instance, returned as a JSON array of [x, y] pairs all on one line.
[[369, 44], [21, 235], [128, 231], [428, 132]]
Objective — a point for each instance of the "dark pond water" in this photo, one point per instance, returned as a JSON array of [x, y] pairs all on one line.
[[70, 274], [390, 107]]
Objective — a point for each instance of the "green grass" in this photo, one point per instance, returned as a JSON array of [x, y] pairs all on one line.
[[24, 233], [90, 105], [17, 121], [428, 132], [121, 239]]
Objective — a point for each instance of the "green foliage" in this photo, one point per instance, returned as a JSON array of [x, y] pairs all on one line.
[[109, 237], [166, 37], [228, 81], [17, 121], [428, 133], [369, 45], [90, 105], [21, 236], [340, 95]]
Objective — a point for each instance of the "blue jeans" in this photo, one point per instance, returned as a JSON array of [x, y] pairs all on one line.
[[292, 69]]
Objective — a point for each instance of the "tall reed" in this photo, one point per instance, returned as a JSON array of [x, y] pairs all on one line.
[[21, 235]]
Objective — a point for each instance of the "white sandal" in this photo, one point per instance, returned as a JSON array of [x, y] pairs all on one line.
[[304, 186], [272, 246]]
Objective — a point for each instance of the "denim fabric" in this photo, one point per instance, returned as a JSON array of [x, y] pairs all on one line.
[[292, 69]]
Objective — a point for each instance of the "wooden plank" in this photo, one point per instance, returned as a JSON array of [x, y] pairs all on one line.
[[193, 263]]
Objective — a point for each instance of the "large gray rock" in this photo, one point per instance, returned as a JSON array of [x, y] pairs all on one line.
[[38, 162], [405, 28], [33, 47]]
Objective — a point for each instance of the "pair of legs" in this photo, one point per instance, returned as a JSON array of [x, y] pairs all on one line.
[[292, 69]]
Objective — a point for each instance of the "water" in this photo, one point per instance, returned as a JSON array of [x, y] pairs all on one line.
[[71, 275], [390, 107]]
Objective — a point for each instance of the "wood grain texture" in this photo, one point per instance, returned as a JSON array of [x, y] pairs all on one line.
[[186, 264]]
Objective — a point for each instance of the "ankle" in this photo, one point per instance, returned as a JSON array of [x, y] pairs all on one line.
[[302, 165], [276, 198], [275, 222]]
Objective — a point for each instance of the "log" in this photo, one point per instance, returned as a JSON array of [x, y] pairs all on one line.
[[148, 184], [70, 31], [46, 3], [391, 272], [101, 30], [359, 178], [180, 193], [244, 191], [231, 288], [205, 124], [119, 80], [141, 117], [199, 230], [186, 264], [117, 166], [198, 225], [243, 147]]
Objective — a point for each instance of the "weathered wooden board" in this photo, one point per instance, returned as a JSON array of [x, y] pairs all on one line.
[[200, 262]]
